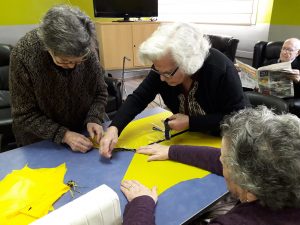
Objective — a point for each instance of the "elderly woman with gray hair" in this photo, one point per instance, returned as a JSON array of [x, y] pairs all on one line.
[[56, 82], [196, 82], [259, 159]]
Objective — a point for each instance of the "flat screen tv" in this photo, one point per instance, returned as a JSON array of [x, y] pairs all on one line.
[[125, 8]]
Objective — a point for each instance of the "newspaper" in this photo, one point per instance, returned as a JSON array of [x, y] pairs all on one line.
[[273, 79], [247, 75]]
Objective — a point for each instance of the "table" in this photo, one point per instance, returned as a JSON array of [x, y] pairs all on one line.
[[175, 206]]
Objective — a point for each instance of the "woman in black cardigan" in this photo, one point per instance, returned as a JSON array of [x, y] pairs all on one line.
[[196, 82]]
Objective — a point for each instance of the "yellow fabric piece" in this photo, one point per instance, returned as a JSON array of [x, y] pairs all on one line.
[[28, 194], [95, 143], [165, 174], [195, 139], [139, 132]]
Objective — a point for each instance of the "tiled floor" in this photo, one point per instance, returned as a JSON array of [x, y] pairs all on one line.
[[131, 83]]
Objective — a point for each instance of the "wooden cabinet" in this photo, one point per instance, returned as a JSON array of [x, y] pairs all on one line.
[[119, 39]]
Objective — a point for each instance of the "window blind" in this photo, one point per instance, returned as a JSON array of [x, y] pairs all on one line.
[[209, 11]]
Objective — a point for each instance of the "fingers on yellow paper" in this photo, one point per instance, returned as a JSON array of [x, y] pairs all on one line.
[[95, 142], [163, 174]]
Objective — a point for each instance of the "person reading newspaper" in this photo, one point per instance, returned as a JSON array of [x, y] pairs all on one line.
[[289, 54]]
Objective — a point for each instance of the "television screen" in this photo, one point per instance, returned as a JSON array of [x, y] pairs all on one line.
[[126, 8]]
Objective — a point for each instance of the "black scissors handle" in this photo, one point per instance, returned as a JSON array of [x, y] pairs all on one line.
[[167, 129]]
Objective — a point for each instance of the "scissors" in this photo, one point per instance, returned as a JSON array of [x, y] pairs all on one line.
[[156, 127], [167, 129]]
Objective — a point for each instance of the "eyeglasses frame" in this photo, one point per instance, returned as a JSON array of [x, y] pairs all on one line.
[[289, 50], [167, 75], [84, 58]]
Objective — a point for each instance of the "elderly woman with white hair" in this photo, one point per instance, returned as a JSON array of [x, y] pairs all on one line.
[[196, 82], [259, 159]]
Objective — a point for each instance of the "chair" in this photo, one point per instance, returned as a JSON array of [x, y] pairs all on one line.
[[114, 100], [266, 53], [277, 104], [7, 139], [225, 44]]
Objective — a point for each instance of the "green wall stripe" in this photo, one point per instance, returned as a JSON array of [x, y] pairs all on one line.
[[286, 12], [21, 12]]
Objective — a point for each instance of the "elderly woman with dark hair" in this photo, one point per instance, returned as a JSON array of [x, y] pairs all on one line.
[[196, 82], [56, 82], [259, 159]]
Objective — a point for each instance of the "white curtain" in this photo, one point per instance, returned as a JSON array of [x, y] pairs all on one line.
[[241, 12]]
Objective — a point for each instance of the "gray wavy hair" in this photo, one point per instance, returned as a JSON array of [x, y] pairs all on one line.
[[67, 31], [184, 41], [263, 155]]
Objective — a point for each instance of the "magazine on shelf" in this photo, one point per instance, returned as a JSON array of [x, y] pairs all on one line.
[[270, 80]]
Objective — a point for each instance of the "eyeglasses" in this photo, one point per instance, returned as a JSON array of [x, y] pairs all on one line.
[[65, 62], [167, 75], [289, 50]]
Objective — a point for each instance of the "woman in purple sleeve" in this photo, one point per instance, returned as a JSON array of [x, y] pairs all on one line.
[[259, 159]]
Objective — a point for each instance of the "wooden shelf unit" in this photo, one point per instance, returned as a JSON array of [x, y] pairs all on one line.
[[119, 39]]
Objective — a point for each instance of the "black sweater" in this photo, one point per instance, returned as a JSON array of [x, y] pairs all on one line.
[[219, 93], [48, 100]]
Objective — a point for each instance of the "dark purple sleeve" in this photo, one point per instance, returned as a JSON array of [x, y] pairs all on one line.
[[206, 158], [140, 211]]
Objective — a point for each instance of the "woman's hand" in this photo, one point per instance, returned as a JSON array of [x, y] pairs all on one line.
[[156, 151], [133, 189], [179, 122], [77, 142], [108, 142], [294, 77], [95, 131]]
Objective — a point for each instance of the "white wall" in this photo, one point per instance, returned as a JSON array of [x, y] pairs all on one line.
[[247, 35], [280, 32], [11, 34]]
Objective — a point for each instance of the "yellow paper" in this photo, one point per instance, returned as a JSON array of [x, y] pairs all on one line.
[[139, 132], [165, 174], [28, 194], [195, 139], [95, 143]]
